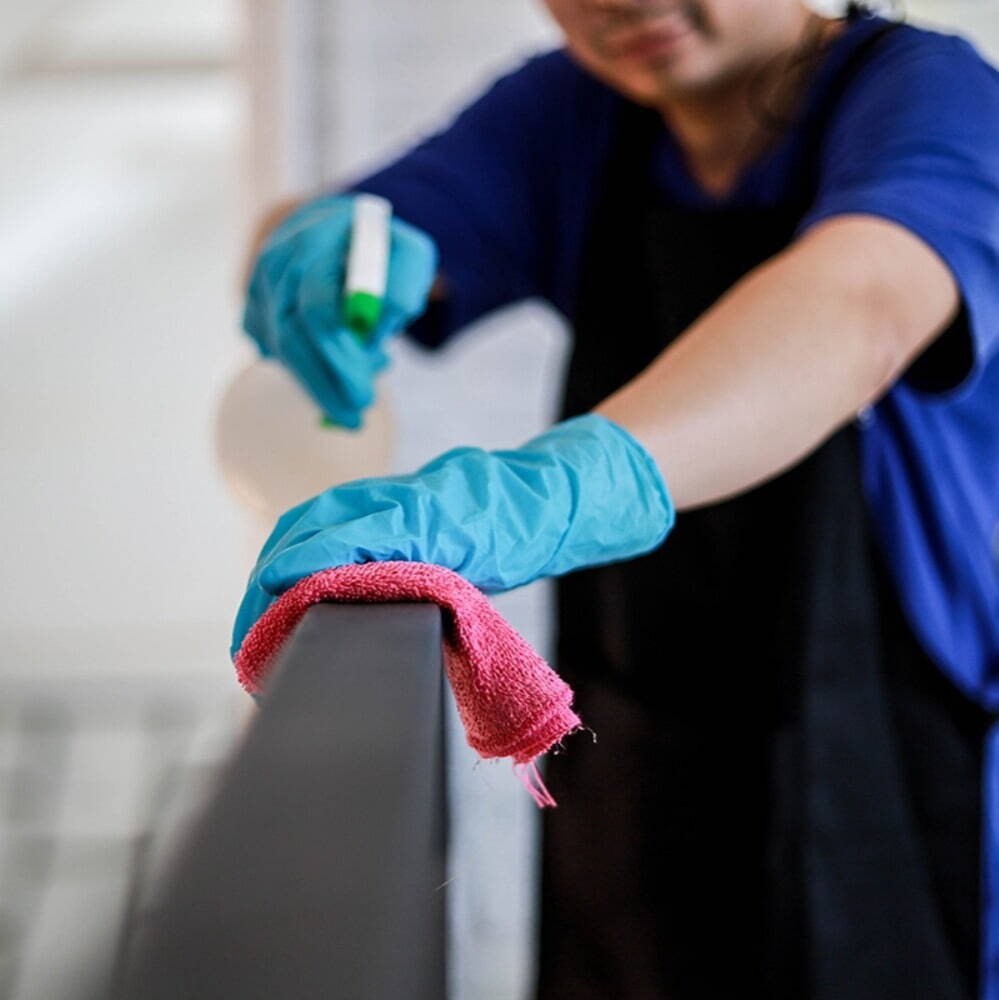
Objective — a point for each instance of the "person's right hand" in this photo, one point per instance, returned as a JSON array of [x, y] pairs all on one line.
[[294, 304]]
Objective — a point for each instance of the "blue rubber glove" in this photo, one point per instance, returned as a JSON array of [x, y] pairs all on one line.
[[581, 494], [294, 308]]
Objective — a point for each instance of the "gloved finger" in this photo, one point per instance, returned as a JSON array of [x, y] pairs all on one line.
[[322, 551], [266, 284], [352, 357], [412, 269], [378, 359], [284, 529], [254, 324], [255, 602], [320, 287], [296, 350], [361, 521], [351, 365], [331, 216], [316, 231], [294, 563], [323, 221], [391, 322], [348, 360], [306, 364]]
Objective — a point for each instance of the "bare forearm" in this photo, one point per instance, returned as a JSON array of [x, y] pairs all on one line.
[[788, 356]]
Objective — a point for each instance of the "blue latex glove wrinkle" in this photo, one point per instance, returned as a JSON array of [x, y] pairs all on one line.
[[294, 307], [583, 493]]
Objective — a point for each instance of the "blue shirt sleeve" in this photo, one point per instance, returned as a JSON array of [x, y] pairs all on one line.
[[484, 190], [916, 141]]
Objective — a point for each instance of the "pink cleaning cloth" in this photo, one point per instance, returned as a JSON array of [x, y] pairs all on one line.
[[511, 703]]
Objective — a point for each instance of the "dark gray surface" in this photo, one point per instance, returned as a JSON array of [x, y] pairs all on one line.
[[316, 869]]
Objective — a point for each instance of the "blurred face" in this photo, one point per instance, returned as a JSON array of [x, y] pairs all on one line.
[[657, 50]]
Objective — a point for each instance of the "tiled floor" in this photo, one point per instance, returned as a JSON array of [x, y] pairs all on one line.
[[92, 782]]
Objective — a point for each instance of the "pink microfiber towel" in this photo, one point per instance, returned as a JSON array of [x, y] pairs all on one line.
[[511, 702]]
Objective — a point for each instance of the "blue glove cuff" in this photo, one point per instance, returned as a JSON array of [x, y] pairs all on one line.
[[652, 477], [620, 505]]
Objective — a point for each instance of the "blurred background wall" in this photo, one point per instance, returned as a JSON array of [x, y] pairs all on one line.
[[140, 140]]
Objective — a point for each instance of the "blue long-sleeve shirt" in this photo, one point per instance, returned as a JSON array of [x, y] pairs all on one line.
[[507, 191]]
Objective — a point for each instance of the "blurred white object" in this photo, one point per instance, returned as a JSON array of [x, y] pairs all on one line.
[[280, 59], [272, 451]]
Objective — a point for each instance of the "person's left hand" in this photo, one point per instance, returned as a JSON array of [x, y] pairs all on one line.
[[581, 494]]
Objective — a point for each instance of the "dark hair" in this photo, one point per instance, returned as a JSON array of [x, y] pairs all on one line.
[[805, 61], [865, 8]]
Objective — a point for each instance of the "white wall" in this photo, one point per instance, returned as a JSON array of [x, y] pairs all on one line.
[[978, 20], [118, 247]]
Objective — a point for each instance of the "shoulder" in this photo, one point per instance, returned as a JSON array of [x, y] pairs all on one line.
[[909, 42], [913, 67], [915, 139], [921, 98], [548, 122]]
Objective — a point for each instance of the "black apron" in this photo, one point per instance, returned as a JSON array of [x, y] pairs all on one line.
[[784, 792]]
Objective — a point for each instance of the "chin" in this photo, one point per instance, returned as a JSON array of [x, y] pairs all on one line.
[[658, 85], [658, 81]]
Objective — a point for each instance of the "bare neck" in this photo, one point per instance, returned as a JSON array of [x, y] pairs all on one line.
[[721, 131]]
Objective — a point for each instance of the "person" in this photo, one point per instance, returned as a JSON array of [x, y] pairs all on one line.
[[775, 236]]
